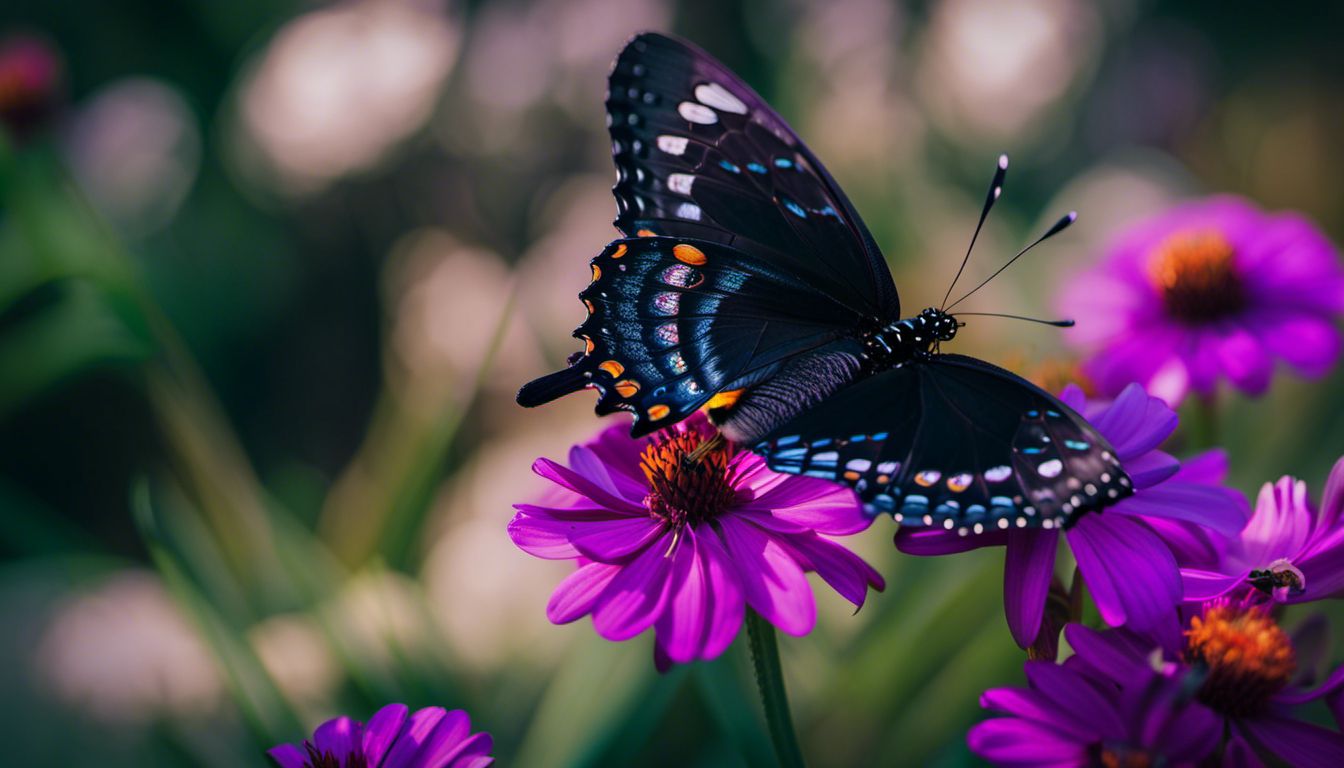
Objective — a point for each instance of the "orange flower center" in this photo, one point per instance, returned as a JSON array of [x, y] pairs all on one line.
[[1111, 756], [1195, 273], [686, 487], [1246, 655]]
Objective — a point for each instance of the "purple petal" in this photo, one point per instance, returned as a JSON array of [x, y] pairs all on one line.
[[1193, 546], [383, 729], [1032, 705], [1132, 575], [406, 750], [445, 740], [1151, 468], [1239, 754], [288, 756], [630, 484], [1309, 343], [612, 540], [1209, 468], [568, 478], [1117, 655], [576, 595], [927, 542], [543, 537], [1200, 586], [339, 736], [1028, 564], [773, 584], [1209, 506], [635, 598], [1244, 360], [1070, 693], [681, 629], [813, 504], [473, 751], [1013, 742], [1299, 744], [1279, 528], [1135, 423], [845, 571], [727, 605]]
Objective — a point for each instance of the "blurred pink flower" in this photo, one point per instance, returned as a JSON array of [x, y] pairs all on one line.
[[30, 79], [1208, 290], [686, 548]]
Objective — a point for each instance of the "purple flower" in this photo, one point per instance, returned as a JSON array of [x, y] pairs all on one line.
[[30, 78], [1241, 667], [1129, 569], [684, 547], [1214, 288], [1286, 551], [431, 738], [1068, 717]]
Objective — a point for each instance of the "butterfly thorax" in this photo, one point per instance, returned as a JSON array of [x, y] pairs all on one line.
[[914, 338]]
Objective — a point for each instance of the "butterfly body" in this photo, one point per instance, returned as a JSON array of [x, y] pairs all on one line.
[[747, 285]]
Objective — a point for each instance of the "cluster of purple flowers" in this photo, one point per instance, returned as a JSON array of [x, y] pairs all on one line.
[[1195, 666]]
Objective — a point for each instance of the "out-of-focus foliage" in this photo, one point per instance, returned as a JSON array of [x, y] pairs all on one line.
[[272, 271]]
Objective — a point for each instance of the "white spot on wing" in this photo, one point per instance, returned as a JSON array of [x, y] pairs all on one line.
[[673, 145], [1051, 468], [718, 97], [697, 113], [688, 211], [680, 182]]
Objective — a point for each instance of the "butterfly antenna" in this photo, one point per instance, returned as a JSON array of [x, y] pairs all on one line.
[[1059, 226], [995, 189], [1055, 323]]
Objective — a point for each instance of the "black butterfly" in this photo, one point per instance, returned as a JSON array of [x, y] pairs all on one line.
[[748, 285]]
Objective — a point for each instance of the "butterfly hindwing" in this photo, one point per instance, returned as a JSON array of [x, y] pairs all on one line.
[[956, 443], [700, 155], [673, 321]]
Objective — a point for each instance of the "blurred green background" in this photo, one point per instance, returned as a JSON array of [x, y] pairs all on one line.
[[271, 272]]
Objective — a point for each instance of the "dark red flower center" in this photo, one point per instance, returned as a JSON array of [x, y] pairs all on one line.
[[1120, 756], [328, 760], [1245, 654], [1197, 277], [689, 482]]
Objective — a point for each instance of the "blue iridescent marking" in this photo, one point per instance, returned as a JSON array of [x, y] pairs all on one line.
[[829, 211], [884, 502], [857, 438], [783, 162], [822, 474], [790, 440], [755, 167], [916, 500], [1077, 445], [827, 459], [878, 436], [1001, 501], [1055, 414], [822, 443], [729, 166], [1033, 414], [789, 454], [795, 209], [1033, 450]]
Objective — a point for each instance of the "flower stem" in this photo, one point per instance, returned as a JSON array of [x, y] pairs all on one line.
[[1206, 433], [770, 679]]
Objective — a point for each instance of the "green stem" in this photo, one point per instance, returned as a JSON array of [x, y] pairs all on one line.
[[770, 679], [1207, 432]]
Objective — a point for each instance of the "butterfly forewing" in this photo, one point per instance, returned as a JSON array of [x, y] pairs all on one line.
[[700, 155], [956, 443]]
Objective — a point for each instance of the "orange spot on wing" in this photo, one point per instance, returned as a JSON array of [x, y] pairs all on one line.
[[689, 254], [724, 399], [619, 252], [612, 367], [852, 476], [646, 233], [657, 412], [589, 305], [588, 346], [627, 387], [597, 273]]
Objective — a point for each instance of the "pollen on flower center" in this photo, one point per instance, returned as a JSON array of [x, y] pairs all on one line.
[[1246, 655], [685, 491], [1197, 277]]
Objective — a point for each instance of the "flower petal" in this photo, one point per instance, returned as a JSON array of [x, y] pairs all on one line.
[[1135, 423], [812, 504], [681, 628], [1029, 562], [288, 756], [635, 598], [1244, 359], [1009, 741], [339, 736], [406, 750], [1132, 575], [1198, 586], [1151, 468], [927, 542], [1210, 506], [576, 595], [728, 606], [568, 478], [1070, 692], [383, 729], [1310, 343], [1031, 705], [1299, 744], [445, 740], [845, 571], [773, 584]]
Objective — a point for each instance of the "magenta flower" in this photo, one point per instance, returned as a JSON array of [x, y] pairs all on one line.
[[1211, 289], [1068, 717], [1129, 569], [30, 79], [1241, 667], [684, 548], [1287, 551], [393, 738]]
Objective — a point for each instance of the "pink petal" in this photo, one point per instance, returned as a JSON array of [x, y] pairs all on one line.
[[1199, 586], [1309, 343], [1109, 550], [845, 571], [1032, 705], [635, 598], [577, 594], [681, 629], [568, 478], [1028, 564], [1244, 359], [728, 605], [612, 540], [812, 504], [773, 584], [1012, 742], [927, 542]]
